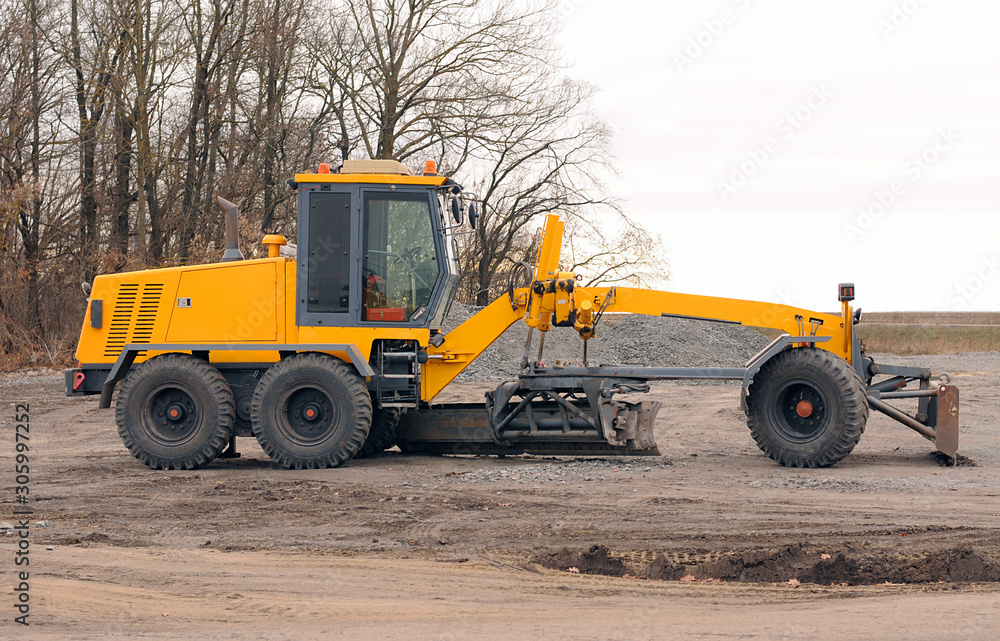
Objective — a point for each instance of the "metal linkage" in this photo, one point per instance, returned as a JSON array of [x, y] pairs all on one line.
[[577, 409], [936, 418]]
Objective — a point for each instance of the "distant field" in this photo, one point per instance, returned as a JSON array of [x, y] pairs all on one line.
[[907, 333], [904, 340], [930, 332], [962, 319]]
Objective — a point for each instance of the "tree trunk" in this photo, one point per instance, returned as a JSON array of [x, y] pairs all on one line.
[[122, 197], [88, 149]]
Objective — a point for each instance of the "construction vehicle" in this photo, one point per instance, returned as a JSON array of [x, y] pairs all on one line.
[[338, 352]]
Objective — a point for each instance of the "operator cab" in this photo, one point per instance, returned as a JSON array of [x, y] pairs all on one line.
[[375, 246]]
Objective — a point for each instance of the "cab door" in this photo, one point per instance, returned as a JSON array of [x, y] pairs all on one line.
[[400, 255]]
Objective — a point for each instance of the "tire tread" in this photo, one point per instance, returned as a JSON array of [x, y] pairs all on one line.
[[217, 386], [355, 388], [850, 387]]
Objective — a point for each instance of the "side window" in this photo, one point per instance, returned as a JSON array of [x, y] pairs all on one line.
[[329, 256], [400, 263]]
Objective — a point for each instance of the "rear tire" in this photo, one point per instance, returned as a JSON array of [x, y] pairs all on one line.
[[382, 436], [806, 407], [311, 411], [175, 412]]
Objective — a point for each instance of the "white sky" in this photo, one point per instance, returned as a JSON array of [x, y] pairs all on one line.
[[868, 100]]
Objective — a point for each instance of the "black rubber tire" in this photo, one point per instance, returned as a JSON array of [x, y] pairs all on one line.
[[175, 383], [311, 382], [823, 385], [382, 436]]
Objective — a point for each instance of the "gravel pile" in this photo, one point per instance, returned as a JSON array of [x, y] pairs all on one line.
[[621, 339]]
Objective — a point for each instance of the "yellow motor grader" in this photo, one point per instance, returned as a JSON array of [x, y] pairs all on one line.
[[338, 351]]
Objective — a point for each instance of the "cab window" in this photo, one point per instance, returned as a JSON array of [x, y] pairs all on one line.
[[329, 254], [399, 263]]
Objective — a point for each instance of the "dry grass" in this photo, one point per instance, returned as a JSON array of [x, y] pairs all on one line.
[[908, 333], [931, 318], [929, 340]]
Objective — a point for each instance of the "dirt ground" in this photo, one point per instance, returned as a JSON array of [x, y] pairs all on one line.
[[709, 540]]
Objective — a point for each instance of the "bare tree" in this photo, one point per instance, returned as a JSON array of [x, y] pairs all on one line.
[[475, 84], [419, 76], [614, 250], [154, 106], [205, 28], [29, 93], [546, 159], [276, 52]]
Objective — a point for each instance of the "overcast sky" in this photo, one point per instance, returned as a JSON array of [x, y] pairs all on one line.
[[782, 146]]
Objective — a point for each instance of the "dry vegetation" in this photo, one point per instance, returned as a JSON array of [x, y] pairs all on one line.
[[909, 333], [905, 340], [931, 318]]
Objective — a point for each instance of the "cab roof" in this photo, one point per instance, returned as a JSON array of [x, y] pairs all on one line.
[[371, 171]]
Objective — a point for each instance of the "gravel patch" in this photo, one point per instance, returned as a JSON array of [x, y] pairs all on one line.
[[620, 339], [539, 474]]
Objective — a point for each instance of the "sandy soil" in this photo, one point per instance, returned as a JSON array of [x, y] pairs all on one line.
[[709, 540]]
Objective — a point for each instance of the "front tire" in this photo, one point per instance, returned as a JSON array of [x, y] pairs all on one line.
[[311, 411], [806, 407], [175, 412]]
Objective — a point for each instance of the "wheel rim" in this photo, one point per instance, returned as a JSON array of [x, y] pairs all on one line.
[[802, 411], [171, 415], [307, 415]]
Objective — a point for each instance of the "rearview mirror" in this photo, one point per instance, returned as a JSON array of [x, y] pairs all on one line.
[[473, 215], [456, 210]]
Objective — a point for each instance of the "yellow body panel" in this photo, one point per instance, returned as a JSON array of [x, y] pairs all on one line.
[[746, 312], [464, 343], [218, 298], [230, 302], [236, 302], [254, 302]]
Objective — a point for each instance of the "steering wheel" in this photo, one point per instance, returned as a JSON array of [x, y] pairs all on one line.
[[404, 261]]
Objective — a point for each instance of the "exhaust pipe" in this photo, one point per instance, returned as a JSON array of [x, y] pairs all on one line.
[[232, 237]]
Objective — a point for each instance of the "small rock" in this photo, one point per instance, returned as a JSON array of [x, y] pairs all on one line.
[[45, 523]]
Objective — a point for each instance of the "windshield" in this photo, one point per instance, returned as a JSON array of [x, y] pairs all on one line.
[[400, 263]]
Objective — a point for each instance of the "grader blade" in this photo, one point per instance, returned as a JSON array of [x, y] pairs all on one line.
[[564, 416]]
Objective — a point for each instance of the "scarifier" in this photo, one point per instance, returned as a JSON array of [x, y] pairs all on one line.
[[334, 349]]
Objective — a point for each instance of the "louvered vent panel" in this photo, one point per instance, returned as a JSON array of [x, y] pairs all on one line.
[[121, 318], [146, 316], [134, 316]]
